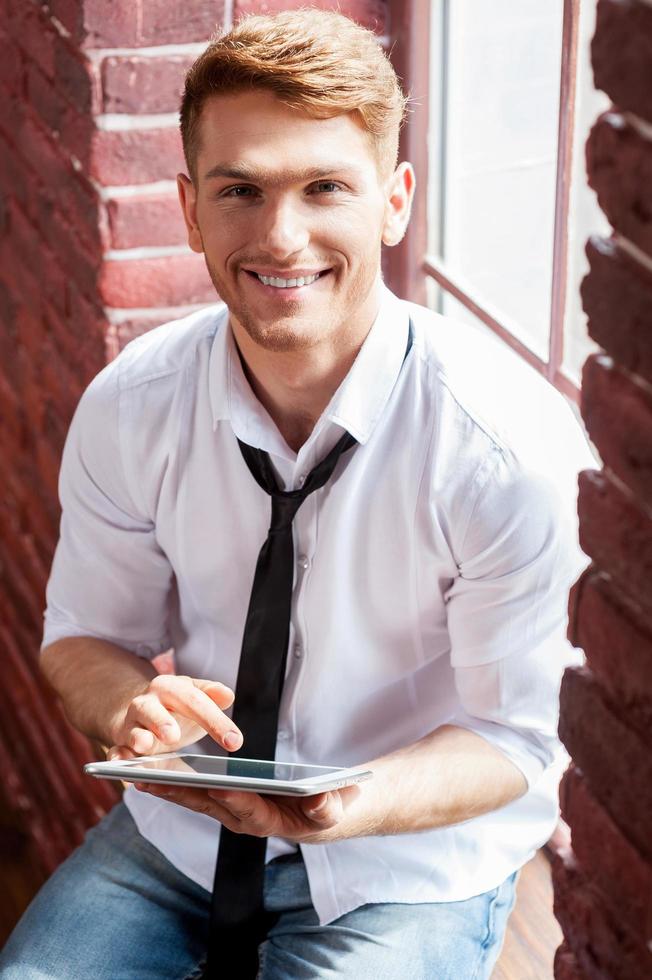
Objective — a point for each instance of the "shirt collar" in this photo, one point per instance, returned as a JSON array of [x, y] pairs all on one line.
[[359, 401], [356, 405]]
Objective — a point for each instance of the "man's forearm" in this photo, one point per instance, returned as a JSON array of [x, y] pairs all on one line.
[[96, 681], [446, 777]]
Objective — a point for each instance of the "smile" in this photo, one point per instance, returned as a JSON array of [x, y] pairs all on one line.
[[280, 283]]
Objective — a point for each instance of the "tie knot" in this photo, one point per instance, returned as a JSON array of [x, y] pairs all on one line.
[[285, 504]]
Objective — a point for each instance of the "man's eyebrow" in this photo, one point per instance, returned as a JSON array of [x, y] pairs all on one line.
[[255, 176]]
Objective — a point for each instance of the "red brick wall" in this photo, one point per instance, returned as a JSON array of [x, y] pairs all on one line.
[[603, 886], [92, 250], [52, 341]]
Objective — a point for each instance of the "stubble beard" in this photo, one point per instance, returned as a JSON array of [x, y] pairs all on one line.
[[284, 334], [280, 335]]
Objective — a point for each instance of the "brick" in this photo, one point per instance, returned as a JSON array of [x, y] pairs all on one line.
[[76, 261], [606, 857], [11, 67], [27, 604], [136, 156], [111, 25], [617, 410], [369, 13], [616, 532], [17, 251], [56, 781], [38, 516], [146, 220], [603, 946], [127, 330], [25, 559], [79, 341], [617, 297], [619, 168], [126, 23], [60, 391], [69, 131], [12, 418], [70, 14], [12, 173], [44, 97], [621, 52], [617, 643], [73, 77], [613, 757], [170, 23], [44, 156], [136, 84], [33, 32], [79, 203], [168, 281], [76, 203], [85, 316]]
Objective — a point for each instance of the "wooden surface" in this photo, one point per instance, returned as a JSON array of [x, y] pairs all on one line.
[[533, 933]]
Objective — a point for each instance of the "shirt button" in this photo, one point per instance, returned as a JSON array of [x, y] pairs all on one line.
[[282, 735], [304, 561], [302, 479], [297, 651]]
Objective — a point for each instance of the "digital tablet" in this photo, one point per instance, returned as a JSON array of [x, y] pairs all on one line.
[[227, 772]]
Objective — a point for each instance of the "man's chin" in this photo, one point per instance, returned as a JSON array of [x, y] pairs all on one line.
[[288, 333]]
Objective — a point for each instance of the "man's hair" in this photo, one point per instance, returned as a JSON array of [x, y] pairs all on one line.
[[317, 61]]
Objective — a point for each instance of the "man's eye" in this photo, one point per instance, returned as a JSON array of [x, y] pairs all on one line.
[[326, 187], [238, 192]]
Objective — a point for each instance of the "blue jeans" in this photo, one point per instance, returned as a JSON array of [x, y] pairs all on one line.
[[118, 910]]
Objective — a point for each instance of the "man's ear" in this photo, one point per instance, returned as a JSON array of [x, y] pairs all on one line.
[[188, 201], [400, 192]]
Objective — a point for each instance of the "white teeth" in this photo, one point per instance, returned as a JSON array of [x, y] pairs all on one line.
[[287, 283]]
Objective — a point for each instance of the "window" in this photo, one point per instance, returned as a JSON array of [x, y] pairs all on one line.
[[503, 101]]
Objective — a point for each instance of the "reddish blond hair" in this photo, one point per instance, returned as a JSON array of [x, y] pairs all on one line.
[[317, 61]]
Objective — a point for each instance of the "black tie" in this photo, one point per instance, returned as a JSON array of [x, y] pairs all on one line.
[[238, 921]]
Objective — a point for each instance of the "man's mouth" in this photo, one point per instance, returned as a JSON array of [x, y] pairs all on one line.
[[289, 282]]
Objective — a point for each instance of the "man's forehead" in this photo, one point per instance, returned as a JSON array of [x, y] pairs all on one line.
[[258, 174], [242, 129]]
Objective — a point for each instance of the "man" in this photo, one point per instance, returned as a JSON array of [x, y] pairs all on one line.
[[429, 571]]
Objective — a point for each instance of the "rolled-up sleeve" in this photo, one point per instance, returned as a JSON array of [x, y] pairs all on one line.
[[109, 578], [507, 613]]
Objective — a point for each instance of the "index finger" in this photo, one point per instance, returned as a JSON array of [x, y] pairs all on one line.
[[184, 696]]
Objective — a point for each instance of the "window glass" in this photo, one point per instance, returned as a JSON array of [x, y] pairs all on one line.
[[495, 104], [585, 216]]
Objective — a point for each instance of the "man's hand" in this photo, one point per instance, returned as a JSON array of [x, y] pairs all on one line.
[[305, 820], [171, 712]]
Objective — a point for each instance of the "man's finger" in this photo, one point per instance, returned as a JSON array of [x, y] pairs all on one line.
[[324, 810], [119, 752], [201, 802], [246, 807], [147, 712], [141, 741], [184, 696]]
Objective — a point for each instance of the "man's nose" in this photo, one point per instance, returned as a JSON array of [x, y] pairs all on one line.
[[283, 229]]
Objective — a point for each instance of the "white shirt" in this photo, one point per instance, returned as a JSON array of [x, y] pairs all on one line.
[[432, 571]]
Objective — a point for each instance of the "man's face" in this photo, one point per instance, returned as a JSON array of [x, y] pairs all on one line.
[[290, 212]]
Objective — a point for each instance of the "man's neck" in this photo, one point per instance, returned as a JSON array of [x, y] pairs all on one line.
[[296, 386], [297, 389]]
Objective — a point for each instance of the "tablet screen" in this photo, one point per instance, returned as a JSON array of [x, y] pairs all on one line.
[[229, 766]]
